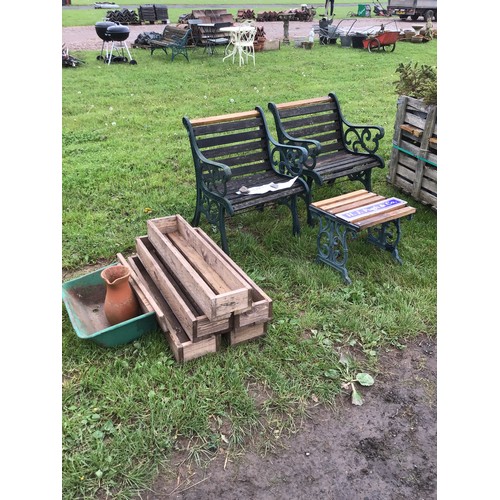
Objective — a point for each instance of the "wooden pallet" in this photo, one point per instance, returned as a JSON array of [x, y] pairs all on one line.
[[413, 163]]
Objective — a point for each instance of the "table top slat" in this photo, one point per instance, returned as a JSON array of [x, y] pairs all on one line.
[[321, 203], [336, 208], [380, 218]]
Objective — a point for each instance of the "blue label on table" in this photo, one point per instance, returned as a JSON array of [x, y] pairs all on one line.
[[372, 209]]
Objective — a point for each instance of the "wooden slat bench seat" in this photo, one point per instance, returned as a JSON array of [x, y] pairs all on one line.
[[234, 151], [336, 147]]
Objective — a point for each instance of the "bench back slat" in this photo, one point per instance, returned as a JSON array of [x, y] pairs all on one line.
[[237, 139], [317, 119]]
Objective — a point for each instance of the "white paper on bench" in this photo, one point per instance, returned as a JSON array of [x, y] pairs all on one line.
[[272, 186]]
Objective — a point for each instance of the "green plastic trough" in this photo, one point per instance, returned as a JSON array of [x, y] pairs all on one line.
[[84, 301]]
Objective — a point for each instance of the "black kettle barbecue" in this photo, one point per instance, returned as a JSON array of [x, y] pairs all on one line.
[[101, 30], [116, 34]]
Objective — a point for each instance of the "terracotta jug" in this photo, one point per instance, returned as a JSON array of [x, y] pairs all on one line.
[[120, 303]]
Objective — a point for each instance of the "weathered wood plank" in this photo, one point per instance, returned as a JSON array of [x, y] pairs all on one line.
[[334, 206], [400, 115], [417, 132], [423, 151], [384, 217], [246, 333], [303, 102], [223, 118], [342, 197]]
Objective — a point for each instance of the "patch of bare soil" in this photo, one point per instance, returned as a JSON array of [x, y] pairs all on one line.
[[382, 450]]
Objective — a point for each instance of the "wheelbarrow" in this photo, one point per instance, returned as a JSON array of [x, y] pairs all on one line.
[[385, 40]]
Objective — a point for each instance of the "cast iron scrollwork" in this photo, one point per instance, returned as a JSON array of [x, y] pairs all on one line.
[[214, 178], [383, 237], [332, 244], [313, 149], [210, 209], [287, 160], [360, 139]]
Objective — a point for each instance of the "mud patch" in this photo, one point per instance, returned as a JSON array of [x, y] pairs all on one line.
[[382, 450]]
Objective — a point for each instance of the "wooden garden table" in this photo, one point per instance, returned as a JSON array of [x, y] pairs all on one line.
[[351, 213]]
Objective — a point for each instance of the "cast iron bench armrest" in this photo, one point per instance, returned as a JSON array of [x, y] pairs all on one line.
[[362, 138], [312, 147], [290, 159], [214, 176]]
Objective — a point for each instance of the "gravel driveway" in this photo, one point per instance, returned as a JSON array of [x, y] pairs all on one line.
[[85, 37]]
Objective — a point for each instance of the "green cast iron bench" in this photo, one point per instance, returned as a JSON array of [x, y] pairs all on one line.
[[336, 147], [233, 155], [177, 43]]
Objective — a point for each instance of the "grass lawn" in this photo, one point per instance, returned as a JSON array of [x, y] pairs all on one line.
[[125, 159]]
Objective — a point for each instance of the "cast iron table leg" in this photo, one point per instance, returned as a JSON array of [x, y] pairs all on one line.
[[386, 238], [332, 244]]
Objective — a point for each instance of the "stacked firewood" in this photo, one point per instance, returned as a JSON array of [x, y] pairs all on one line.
[[265, 16]]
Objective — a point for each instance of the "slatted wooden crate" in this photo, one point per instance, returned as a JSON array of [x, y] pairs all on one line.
[[213, 284], [413, 163]]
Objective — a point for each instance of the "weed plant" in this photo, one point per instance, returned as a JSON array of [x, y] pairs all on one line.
[[126, 158]]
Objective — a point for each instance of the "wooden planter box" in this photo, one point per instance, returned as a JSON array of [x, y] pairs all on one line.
[[250, 324], [161, 281], [413, 163], [217, 289], [192, 319], [183, 348], [246, 333]]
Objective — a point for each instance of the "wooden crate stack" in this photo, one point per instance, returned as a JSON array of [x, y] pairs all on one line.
[[413, 163], [201, 298]]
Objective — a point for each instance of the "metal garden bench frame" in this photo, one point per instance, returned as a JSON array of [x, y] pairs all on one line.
[[178, 44], [234, 151], [336, 148]]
